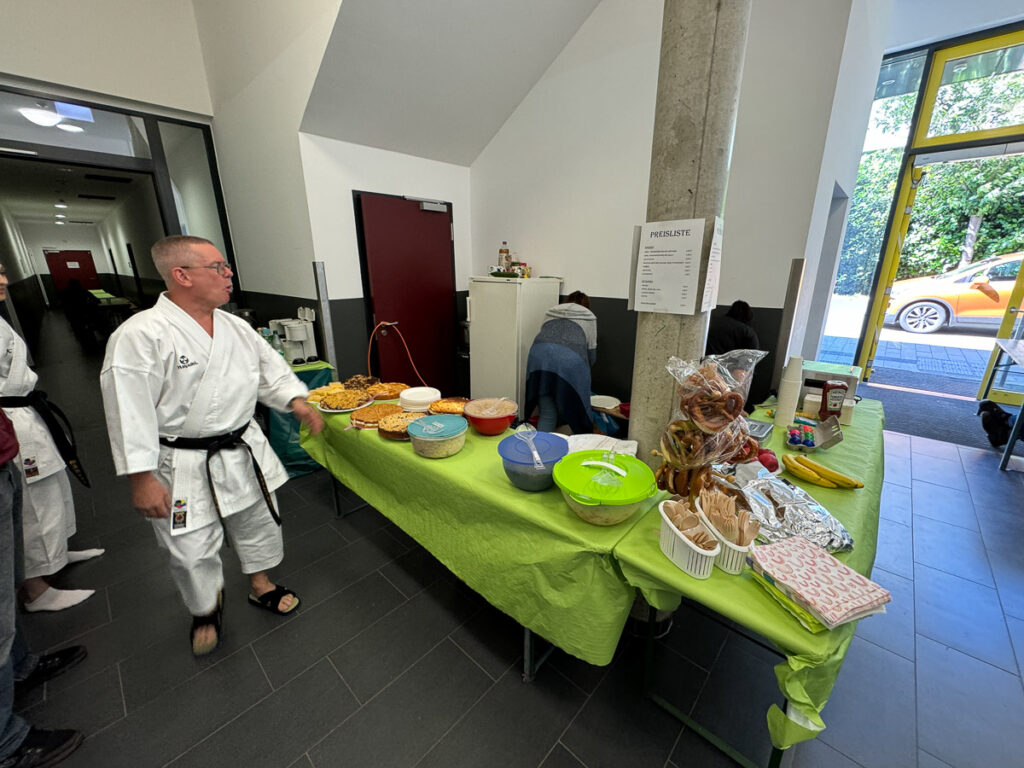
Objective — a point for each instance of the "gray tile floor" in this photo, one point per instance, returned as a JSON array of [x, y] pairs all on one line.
[[392, 662]]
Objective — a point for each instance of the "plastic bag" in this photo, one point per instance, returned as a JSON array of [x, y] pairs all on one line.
[[740, 365], [711, 393]]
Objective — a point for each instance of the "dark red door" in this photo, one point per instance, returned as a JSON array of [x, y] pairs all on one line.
[[72, 265], [410, 274]]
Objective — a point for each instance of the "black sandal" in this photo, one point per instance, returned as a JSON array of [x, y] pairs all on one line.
[[270, 600], [211, 620]]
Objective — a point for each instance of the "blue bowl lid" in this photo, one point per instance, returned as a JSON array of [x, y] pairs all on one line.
[[437, 427], [550, 447]]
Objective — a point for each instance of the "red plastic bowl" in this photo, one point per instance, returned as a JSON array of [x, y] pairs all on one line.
[[490, 425]]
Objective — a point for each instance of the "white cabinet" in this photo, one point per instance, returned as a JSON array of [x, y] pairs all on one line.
[[505, 314]]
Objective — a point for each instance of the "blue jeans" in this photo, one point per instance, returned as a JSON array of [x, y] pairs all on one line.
[[17, 662], [548, 419]]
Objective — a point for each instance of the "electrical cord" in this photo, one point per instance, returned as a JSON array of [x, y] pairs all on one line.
[[408, 354]]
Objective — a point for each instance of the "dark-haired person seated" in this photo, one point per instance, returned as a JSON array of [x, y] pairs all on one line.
[[733, 330]]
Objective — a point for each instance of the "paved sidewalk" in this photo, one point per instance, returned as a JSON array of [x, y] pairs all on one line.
[[921, 358]]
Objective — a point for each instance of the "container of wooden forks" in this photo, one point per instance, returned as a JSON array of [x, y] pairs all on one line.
[[685, 540]]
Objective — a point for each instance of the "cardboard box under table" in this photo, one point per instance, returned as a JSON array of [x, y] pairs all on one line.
[[527, 553], [812, 661]]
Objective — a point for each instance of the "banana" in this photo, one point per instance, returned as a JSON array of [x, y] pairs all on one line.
[[843, 481], [794, 467]]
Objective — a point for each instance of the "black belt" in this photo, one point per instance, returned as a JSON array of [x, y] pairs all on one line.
[[63, 436], [215, 444]]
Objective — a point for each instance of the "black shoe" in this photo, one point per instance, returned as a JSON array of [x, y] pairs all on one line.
[[41, 749], [51, 665]]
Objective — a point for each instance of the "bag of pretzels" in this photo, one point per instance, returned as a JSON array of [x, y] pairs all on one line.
[[705, 427]]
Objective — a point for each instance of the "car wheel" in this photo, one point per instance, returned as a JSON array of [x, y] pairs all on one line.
[[923, 317]]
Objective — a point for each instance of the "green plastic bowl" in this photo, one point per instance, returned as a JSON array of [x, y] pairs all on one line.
[[604, 488]]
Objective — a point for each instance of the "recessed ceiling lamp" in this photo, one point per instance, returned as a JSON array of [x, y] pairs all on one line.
[[60, 223], [60, 204], [884, 82], [71, 128], [59, 216], [42, 117]]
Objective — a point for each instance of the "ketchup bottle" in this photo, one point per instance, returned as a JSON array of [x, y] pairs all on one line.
[[833, 395]]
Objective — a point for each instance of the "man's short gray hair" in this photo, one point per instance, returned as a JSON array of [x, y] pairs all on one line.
[[175, 251]]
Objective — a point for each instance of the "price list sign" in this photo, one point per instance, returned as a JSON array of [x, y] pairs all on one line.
[[668, 266]]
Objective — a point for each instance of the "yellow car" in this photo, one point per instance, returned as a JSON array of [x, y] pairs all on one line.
[[974, 296]]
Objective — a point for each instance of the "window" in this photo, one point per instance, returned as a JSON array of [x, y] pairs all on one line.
[[1006, 271]]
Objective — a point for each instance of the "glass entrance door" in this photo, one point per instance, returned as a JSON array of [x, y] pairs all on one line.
[[1004, 380]]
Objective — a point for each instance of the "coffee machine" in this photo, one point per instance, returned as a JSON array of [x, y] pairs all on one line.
[[298, 338]]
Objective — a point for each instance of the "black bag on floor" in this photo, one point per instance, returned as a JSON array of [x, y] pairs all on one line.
[[996, 423]]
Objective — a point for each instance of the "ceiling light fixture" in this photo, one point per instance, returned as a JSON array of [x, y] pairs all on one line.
[[43, 117], [61, 204], [18, 151], [59, 216], [59, 223], [884, 82], [70, 128]]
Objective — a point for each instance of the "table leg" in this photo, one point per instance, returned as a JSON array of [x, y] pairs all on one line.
[[1014, 437], [776, 756], [532, 662]]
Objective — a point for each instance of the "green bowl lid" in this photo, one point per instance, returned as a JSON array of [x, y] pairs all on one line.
[[437, 427], [600, 477]]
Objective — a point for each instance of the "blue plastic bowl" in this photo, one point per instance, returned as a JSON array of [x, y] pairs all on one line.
[[517, 459]]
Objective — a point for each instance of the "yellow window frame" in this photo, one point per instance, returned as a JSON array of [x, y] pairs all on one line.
[[939, 60]]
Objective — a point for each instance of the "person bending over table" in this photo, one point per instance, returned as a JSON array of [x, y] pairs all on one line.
[[558, 366], [180, 382], [48, 510]]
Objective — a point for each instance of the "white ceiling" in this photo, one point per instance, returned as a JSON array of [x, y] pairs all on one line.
[[30, 188], [435, 79], [920, 22]]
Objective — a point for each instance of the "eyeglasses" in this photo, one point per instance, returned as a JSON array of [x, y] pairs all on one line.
[[222, 267]]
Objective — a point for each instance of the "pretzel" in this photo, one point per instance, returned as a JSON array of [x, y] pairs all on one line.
[[712, 411]]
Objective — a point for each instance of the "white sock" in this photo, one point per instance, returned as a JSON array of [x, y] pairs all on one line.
[[55, 599], [85, 554]]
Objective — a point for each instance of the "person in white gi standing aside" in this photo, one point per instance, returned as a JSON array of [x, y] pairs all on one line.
[[180, 382], [48, 513]]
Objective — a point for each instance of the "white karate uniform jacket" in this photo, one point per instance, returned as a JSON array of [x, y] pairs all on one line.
[[38, 456], [163, 375]]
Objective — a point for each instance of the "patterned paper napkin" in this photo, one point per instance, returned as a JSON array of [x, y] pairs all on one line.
[[833, 592]]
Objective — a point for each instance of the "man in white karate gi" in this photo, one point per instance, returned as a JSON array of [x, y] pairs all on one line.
[[48, 510], [180, 382]]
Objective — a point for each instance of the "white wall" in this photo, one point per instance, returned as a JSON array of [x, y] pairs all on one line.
[[146, 50], [851, 108], [260, 65], [136, 221], [565, 179], [333, 169], [786, 94]]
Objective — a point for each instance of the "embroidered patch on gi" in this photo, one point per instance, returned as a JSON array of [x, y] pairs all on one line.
[[31, 466], [179, 514], [184, 362]]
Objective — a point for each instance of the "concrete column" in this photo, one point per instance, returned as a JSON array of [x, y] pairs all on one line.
[[702, 47]]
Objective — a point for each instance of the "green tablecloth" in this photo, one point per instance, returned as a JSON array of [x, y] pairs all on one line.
[[319, 365], [812, 661], [526, 553]]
